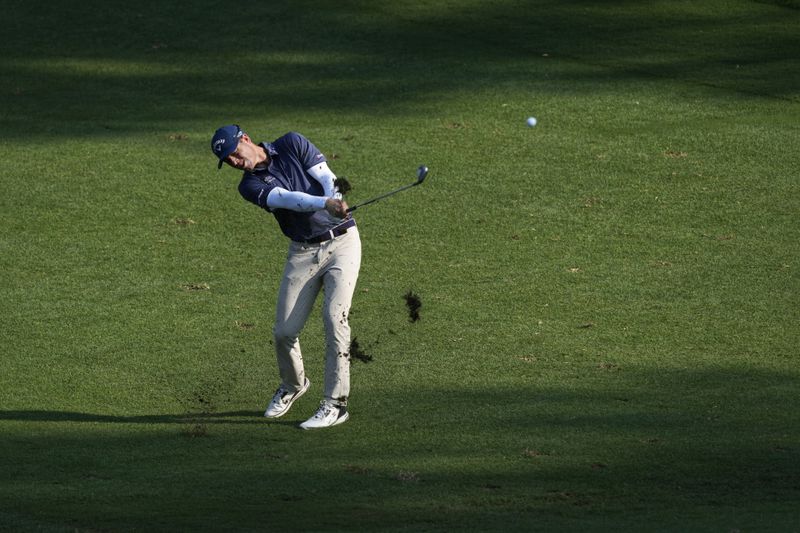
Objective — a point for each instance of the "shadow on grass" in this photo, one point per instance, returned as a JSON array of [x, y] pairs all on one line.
[[232, 417], [107, 68], [690, 450]]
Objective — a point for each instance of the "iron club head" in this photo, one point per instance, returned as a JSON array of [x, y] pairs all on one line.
[[422, 172]]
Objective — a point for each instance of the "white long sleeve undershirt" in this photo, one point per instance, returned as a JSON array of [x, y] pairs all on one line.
[[280, 198]]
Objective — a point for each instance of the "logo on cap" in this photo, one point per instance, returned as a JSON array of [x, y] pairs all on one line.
[[225, 141]]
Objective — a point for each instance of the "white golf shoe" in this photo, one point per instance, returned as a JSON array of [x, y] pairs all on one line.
[[283, 400], [326, 416]]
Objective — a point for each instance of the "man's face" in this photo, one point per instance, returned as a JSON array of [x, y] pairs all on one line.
[[246, 156]]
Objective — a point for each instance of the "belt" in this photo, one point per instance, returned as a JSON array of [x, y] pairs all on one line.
[[341, 229]]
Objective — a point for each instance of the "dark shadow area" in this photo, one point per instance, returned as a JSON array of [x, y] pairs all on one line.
[[232, 417], [686, 449], [98, 68]]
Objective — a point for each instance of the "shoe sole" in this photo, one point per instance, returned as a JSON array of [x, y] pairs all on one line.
[[340, 420], [294, 399]]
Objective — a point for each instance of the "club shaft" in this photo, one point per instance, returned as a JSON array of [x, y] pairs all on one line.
[[381, 197]]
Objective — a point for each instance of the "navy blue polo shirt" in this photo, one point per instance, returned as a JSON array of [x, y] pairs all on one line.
[[290, 156]]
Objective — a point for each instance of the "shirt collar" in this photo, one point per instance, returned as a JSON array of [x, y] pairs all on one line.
[[271, 152], [270, 148]]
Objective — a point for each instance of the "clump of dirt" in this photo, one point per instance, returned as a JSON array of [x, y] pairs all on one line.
[[342, 185], [414, 304], [357, 353], [202, 404]]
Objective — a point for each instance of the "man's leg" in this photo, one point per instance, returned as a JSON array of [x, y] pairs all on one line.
[[299, 288], [341, 274]]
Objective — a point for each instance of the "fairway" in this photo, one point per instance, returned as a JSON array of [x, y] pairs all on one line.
[[590, 324]]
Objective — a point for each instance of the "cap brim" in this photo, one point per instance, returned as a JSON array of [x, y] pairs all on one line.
[[219, 166]]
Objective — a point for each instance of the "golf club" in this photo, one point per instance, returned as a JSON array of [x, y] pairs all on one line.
[[422, 171]]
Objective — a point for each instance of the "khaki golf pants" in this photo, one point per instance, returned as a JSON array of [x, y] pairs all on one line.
[[333, 267]]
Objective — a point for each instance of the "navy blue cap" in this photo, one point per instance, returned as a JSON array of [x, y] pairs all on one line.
[[225, 141]]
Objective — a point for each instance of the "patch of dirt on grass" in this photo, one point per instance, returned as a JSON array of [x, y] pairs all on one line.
[[675, 154], [245, 326], [357, 352], [183, 221], [529, 452], [414, 304], [196, 286], [202, 404], [592, 201], [408, 477]]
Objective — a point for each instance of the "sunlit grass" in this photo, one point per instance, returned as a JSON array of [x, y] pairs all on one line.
[[607, 334]]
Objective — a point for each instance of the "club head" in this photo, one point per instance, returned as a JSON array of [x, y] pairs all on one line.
[[422, 172]]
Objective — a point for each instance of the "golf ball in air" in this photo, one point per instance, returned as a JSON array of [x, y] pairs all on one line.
[[531, 121]]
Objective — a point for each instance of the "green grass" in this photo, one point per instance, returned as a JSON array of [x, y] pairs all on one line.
[[609, 329]]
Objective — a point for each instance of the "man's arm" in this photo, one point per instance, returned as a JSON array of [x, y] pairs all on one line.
[[270, 197], [280, 198], [325, 176]]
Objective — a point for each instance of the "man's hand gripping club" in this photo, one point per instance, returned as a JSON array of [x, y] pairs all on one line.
[[336, 208]]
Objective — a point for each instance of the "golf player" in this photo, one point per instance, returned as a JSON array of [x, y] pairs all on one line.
[[290, 178]]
